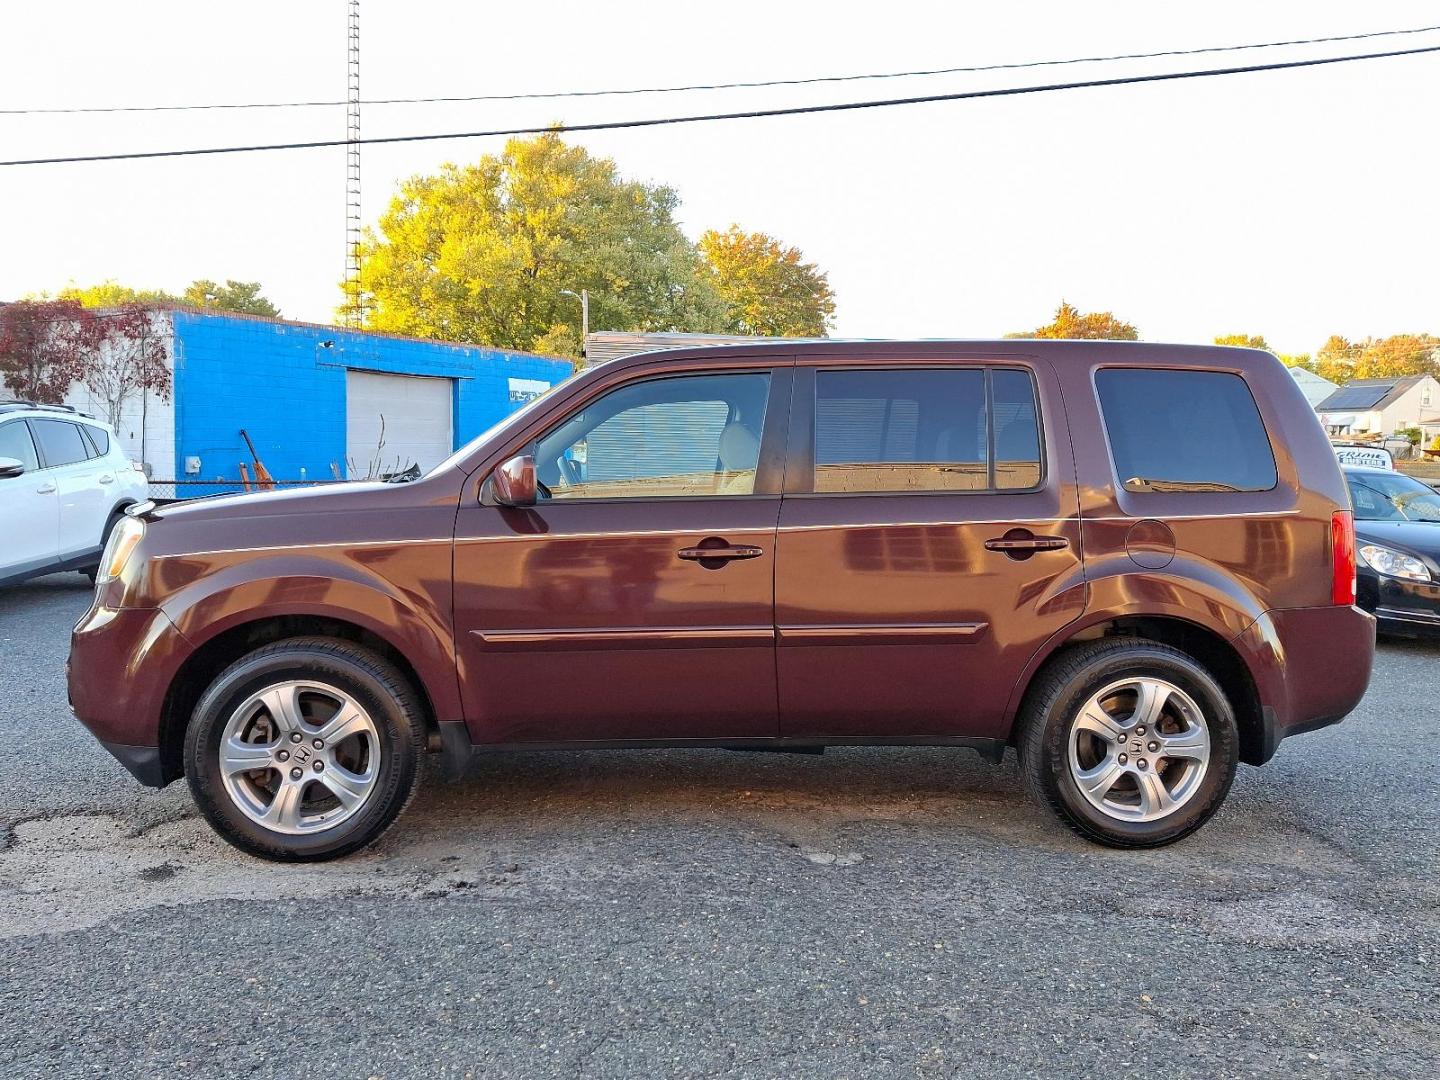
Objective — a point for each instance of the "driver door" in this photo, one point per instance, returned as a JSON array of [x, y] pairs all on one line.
[[635, 601]]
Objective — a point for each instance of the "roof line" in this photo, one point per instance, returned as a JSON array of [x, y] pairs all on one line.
[[205, 312]]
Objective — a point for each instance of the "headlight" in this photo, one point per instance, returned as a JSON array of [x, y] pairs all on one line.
[[121, 545], [1392, 563]]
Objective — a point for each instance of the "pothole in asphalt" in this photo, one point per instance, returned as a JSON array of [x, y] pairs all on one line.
[[68, 873], [1295, 919]]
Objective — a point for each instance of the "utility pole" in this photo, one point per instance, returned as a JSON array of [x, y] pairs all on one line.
[[353, 314]]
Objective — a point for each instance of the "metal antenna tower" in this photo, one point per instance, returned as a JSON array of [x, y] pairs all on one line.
[[354, 314]]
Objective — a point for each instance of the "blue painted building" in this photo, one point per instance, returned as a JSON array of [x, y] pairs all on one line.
[[318, 401]]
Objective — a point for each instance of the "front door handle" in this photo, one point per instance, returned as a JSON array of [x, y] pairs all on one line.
[[45, 489]]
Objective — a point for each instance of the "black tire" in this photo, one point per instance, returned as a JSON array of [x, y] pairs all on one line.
[[382, 691], [1053, 704]]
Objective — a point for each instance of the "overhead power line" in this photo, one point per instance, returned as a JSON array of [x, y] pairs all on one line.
[[753, 114], [810, 81]]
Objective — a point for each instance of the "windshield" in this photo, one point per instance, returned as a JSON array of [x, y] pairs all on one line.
[[1395, 497]]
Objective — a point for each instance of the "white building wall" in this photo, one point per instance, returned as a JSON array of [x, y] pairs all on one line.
[[1417, 407], [146, 426]]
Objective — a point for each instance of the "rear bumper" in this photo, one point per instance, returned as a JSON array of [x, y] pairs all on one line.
[[1311, 668], [120, 668]]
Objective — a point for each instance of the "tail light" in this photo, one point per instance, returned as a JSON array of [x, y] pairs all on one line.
[[1342, 556]]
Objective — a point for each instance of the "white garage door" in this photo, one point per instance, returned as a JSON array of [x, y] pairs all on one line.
[[395, 421]]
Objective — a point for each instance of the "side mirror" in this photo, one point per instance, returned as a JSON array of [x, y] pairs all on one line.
[[514, 481], [10, 468]]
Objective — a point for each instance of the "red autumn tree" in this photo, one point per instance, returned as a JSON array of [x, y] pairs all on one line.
[[44, 347], [127, 356]]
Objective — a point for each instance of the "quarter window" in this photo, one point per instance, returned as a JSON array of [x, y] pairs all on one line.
[[15, 443], [686, 435], [1191, 431], [100, 437], [889, 430], [60, 442]]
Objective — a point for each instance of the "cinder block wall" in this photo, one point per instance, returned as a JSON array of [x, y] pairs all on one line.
[[279, 382]]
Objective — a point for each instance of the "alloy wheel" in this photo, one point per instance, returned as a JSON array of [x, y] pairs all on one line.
[[1139, 749], [299, 757]]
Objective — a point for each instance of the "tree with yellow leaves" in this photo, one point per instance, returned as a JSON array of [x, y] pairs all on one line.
[[1070, 323], [767, 289]]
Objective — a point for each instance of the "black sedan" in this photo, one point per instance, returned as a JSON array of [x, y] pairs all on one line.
[[1397, 536]]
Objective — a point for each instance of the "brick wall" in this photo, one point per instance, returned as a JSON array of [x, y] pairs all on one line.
[[281, 383]]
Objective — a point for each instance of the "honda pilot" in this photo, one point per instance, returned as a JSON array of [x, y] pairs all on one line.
[[1132, 564]]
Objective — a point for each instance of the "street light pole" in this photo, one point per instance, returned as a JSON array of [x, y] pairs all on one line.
[[584, 297], [584, 320]]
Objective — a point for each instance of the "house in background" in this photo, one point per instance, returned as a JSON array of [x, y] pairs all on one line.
[[1316, 388], [1383, 406], [317, 401]]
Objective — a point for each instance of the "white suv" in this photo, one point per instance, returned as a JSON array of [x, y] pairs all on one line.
[[64, 482]]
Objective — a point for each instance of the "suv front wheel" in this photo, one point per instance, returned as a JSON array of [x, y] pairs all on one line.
[[1132, 743], [306, 749]]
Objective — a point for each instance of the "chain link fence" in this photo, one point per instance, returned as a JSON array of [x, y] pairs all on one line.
[[175, 490]]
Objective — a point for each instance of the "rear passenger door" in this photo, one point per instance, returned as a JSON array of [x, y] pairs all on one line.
[[929, 542]]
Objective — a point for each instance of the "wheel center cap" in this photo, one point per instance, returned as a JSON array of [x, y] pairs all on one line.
[[302, 754]]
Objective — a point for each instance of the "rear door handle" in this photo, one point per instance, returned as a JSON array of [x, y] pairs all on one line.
[[1021, 544], [107, 479], [718, 553], [1027, 543]]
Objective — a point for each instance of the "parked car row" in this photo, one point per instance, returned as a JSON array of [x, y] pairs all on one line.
[[1397, 530], [64, 483]]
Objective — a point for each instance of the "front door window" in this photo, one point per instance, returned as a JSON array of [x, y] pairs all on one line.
[[681, 436]]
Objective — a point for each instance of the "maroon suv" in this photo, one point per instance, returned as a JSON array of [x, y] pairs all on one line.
[[1133, 563]]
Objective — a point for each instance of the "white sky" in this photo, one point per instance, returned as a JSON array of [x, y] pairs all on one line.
[[1293, 204]]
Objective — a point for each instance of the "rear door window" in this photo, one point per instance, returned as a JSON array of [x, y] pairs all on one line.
[[60, 442], [1184, 431], [925, 429]]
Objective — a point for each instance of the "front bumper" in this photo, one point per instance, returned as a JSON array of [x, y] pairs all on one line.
[[121, 666], [1403, 607]]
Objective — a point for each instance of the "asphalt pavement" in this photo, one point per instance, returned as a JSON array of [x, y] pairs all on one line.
[[868, 913]]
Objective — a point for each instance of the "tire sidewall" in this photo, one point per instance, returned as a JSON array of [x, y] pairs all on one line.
[[1219, 720], [399, 756]]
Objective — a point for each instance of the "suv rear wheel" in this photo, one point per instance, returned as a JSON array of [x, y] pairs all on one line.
[[306, 749], [1132, 743]]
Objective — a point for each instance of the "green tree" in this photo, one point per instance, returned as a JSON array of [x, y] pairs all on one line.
[[109, 294], [1070, 323], [1244, 341], [488, 253], [239, 296], [767, 289]]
